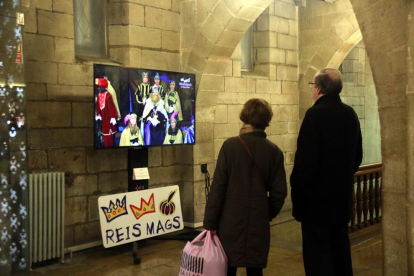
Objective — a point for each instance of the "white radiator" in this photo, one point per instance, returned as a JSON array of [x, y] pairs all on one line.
[[46, 216]]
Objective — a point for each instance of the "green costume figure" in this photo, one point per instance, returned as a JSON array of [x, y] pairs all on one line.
[[172, 102], [161, 89], [131, 136], [174, 135], [141, 94]]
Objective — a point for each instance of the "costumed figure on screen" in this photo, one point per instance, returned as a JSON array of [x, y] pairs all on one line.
[[161, 89], [112, 91], [154, 119], [131, 136], [174, 135], [172, 102], [106, 113], [141, 95], [188, 132]]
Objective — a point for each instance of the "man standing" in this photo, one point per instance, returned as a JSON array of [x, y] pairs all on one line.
[[329, 152]]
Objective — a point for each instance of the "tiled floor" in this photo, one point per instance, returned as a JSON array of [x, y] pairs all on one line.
[[161, 258]]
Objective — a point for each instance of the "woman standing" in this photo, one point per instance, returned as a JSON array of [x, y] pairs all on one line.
[[131, 136], [174, 135], [248, 191]]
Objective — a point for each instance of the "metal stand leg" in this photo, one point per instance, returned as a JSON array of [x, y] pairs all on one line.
[[137, 260]]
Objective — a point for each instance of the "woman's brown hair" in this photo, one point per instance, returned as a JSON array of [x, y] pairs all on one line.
[[256, 112]]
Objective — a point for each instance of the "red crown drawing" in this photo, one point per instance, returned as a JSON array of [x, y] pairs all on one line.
[[146, 207]]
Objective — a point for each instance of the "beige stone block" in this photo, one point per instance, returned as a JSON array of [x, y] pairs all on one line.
[[165, 175], [203, 45], [136, 15], [265, 86], [75, 74], [234, 113], [205, 113], [199, 212], [237, 68], [277, 24], [285, 10], [188, 13], [289, 142], [118, 13], [287, 73], [115, 160], [239, 24], [204, 152], [161, 4], [290, 88], [187, 191], [83, 184], [240, 85], [162, 19], [154, 156], [161, 60], [229, 38], [292, 58], [48, 114], [218, 67], [56, 138], [75, 210], [41, 72], [170, 40], [226, 130], [30, 19], [287, 42], [63, 6], [212, 29], [284, 99], [144, 36], [37, 161], [41, 4], [293, 127], [199, 193], [69, 93], [265, 39], [90, 232], [282, 113], [204, 9], [244, 97], [35, 91], [361, 79], [67, 160], [221, 114], [171, 156], [263, 22], [237, 52], [119, 35], [234, 5], [82, 115], [227, 98], [55, 24], [64, 49], [221, 51], [205, 131], [293, 28], [113, 181], [222, 14], [344, 30], [278, 127]]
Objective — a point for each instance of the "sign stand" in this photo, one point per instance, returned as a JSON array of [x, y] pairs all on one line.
[[137, 158]]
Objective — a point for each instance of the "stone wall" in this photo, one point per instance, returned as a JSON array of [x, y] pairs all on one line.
[[360, 93], [141, 33], [274, 78]]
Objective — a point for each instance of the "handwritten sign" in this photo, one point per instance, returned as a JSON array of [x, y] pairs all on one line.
[[139, 215]]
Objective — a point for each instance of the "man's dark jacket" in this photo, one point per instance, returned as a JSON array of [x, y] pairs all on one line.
[[329, 152]]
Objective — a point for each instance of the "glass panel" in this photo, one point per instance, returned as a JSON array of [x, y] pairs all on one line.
[[247, 50], [90, 26], [14, 255]]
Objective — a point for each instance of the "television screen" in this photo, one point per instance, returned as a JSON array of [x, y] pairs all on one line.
[[139, 107]]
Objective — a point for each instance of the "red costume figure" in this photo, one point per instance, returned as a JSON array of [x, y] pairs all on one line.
[[106, 111]]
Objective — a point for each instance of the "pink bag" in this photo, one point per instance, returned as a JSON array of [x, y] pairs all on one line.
[[203, 257]]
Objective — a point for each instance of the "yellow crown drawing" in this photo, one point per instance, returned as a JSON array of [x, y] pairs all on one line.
[[115, 210], [146, 207]]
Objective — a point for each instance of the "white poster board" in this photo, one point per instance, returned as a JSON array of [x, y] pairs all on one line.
[[139, 215]]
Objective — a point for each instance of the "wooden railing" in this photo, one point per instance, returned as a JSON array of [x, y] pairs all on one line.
[[366, 197]]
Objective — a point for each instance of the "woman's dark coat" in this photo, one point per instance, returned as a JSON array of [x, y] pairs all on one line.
[[239, 206]]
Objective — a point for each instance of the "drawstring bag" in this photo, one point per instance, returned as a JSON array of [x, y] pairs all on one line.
[[203, 257]]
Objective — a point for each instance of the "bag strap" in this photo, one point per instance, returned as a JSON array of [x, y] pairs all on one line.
[[254, 163]]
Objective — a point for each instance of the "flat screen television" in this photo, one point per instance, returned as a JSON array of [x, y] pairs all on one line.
[[143, 108]]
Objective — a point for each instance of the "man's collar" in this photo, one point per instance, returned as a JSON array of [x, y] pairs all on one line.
[[329, 98]]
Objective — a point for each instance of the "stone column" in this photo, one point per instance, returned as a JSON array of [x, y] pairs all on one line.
[[410, 140]]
